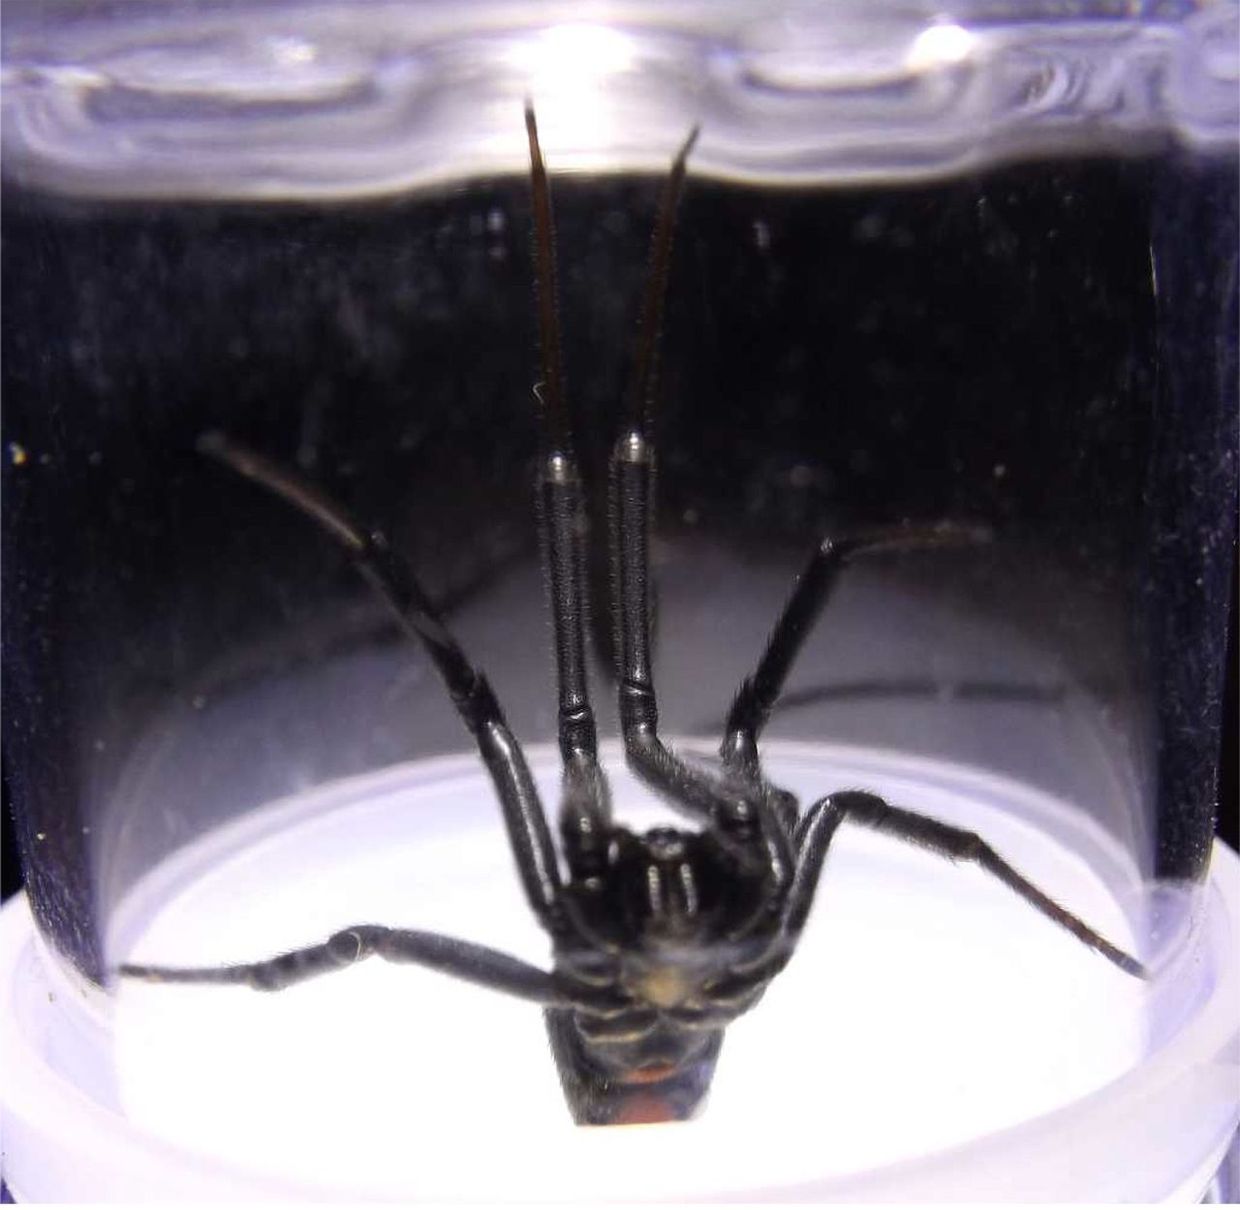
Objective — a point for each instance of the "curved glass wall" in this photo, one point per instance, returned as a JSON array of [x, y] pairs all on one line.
[[976, 274]]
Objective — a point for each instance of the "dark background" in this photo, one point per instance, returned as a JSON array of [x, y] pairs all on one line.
[[79, 282]]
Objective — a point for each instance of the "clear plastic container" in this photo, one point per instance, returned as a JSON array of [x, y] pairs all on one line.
[[978, 270]]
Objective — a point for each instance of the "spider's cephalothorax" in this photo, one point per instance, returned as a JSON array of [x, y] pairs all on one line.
[[659, 940]]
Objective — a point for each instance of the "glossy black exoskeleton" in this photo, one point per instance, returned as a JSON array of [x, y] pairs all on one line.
[[661, 939]]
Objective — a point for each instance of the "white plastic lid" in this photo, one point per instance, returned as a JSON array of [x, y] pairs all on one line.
[[1155, 1133]]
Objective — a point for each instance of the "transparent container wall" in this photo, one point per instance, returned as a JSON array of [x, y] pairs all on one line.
[[981, 273]]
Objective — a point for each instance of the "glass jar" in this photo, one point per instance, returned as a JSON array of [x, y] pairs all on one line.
[[960, 289]]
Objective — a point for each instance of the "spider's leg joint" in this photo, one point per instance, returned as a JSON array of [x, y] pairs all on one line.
[[633, 448], [478, 704], [352, 945], [640, 712], [560, 470], [578, 734], [739, 748]]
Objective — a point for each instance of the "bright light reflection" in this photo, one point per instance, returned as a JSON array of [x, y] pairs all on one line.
[[570, 56], [566, 66], [292, 52], [940, 46]]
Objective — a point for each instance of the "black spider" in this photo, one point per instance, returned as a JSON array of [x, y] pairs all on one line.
[[660, 940]]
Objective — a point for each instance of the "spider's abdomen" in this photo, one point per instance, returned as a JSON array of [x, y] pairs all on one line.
[[660, 1072], [648, 1055]]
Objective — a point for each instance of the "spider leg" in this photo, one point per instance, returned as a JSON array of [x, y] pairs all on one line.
[[740, 813], [685, 787], [585, 811], [460, 959], [760, 691], [395, 584], [816, 830], [585, 806]]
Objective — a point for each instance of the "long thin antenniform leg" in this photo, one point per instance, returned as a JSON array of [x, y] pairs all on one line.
[[395, 584], [759, 692], [585, 807], [461, 959], [821, 820]]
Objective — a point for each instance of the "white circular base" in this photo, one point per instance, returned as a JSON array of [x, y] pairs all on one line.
[[934, 1037]]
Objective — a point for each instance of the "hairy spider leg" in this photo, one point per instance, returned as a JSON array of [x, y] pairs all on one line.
[[814, 835], [752, 708], [759, 692], [585, 806], [956, 844], [462, 959], [396, 585], [743, 820]]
